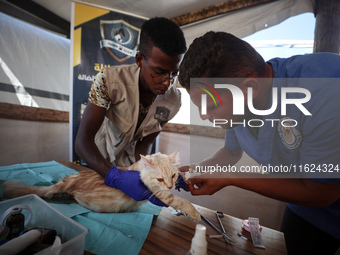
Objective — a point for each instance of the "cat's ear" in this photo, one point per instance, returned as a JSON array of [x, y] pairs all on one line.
[[174, 157], [146, 161]]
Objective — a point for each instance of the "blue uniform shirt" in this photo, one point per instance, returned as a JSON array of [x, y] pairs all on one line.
[[314, 142]]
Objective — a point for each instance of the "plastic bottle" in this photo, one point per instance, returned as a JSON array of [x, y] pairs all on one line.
[[15, 222], [19, 243], [199, 244]]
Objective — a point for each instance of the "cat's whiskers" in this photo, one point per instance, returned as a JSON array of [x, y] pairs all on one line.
[[153, 196], [145, 193]]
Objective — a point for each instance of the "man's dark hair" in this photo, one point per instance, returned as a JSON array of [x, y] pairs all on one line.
[[219, 55], [163, 34]]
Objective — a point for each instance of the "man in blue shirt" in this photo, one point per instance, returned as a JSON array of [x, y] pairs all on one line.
[[303, 138]]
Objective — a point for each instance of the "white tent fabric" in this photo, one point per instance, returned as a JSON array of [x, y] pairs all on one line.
[[249, 20], [241, 23], [37, 62], [34, 66]]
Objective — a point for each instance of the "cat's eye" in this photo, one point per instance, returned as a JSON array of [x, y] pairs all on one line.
[[173, 176], [160, 179]]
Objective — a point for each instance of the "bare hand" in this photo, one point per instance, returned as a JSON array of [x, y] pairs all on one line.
[[205, 186]]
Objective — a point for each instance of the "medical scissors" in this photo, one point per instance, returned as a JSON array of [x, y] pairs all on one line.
[[226, 238], [219, 215]]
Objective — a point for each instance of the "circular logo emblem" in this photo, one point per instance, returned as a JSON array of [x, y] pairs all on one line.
[[290, 136]]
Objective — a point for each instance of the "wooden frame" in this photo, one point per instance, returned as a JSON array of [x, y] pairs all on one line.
[[19, 112]]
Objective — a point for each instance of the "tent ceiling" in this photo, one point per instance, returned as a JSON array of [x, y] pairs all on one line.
[[56, 15]]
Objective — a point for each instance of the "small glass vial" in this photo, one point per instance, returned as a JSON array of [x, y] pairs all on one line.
[[199, 244], [15, 222]]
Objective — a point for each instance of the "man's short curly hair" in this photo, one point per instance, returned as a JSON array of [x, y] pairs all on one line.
[[219, 55], [163, 34]]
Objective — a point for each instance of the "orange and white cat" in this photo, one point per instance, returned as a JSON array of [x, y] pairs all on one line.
[[158, 172]]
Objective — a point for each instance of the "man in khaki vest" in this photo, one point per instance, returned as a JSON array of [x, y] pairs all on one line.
[[129, 104]]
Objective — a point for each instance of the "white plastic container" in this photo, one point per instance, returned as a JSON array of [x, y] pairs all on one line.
[[199, 244], [72, 233]]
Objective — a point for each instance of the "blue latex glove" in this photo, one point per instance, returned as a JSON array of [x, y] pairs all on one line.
[[180, 183], [130, 183]]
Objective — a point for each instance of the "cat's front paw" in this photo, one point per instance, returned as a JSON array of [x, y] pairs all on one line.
[[196, 217], [194, 214]]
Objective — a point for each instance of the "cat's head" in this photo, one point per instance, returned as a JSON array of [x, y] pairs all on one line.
[[159, 170]]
